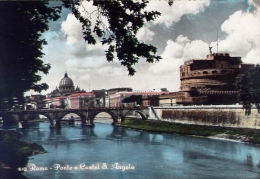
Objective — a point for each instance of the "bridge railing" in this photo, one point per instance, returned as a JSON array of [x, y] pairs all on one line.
[[80, 109]]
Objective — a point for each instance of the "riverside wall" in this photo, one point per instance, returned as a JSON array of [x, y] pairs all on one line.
[[217, 115]]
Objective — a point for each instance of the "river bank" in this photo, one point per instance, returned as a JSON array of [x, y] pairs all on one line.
[[238, 134], [14, 153]]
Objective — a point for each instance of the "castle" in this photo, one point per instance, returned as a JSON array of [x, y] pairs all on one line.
[[210, 80]]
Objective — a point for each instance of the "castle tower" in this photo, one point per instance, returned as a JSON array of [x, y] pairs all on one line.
[[211, 80]]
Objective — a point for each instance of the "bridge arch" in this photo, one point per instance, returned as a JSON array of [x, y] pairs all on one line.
[[82, 117], [60, 117], [112, 114], [31, 117], [11, 119], [144, 116]]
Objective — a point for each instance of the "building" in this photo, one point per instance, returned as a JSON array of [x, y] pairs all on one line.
[[81, 100], [136, 98], [210, 80], [115, 90], [35, 101], [116, 99], [67, 96], [168, 99], [59, 102], [101, 98], [66, 87]]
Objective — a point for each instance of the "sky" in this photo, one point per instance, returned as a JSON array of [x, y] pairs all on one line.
[[184, 31]]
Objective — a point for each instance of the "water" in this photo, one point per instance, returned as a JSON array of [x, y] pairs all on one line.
[[105, 151]]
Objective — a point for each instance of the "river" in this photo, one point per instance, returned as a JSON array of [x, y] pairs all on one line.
[[107, 152]]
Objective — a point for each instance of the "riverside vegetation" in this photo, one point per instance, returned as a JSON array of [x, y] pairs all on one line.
[[240, 134], [14, 153]]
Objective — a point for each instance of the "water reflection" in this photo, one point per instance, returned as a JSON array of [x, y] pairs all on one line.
[[154, 155], [198, 147]]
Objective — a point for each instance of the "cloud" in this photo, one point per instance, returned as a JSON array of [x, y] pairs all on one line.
[[98, 46], [72, 29], [255, 4], [242, 35], [111, 71], [178, 51], [145, 34], [253, 56], [84, 77], [174, 55], [170, 14], [88, 62]]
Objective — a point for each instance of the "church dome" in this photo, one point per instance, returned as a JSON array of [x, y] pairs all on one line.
[[66, 84], [66, 81]]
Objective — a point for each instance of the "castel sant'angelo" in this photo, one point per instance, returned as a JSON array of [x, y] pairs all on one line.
[[210, 80]]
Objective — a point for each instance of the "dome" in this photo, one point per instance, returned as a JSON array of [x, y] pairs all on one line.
[[66, 81], [66, 84]]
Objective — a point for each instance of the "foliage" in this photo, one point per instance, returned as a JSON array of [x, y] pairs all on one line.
[[9, 136], [248, 85], [133, 98], [22, 23], [125, 18], [16, 150]]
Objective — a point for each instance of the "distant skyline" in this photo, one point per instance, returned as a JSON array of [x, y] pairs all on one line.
[[184, 31]]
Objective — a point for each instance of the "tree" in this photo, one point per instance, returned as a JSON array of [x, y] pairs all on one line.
[[125, 18], [133, 99], [23, 22], [248, 85]]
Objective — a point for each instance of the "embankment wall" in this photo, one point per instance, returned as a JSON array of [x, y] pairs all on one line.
[[220, 115]]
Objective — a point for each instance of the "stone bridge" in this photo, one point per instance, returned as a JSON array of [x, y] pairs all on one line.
[[87, 116]]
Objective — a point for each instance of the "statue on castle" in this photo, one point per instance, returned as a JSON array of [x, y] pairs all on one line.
[[210, 51]]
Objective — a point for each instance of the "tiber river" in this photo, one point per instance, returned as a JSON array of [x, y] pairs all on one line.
[[107, 152]]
